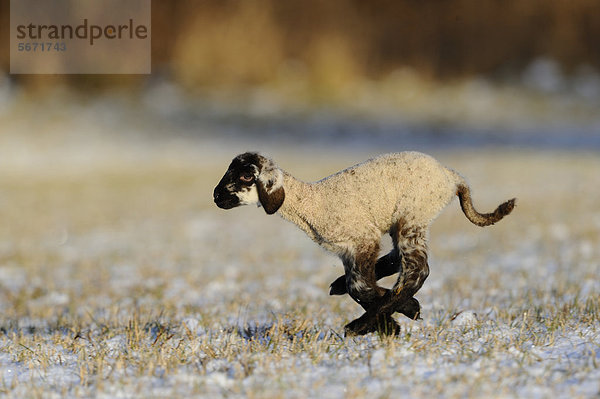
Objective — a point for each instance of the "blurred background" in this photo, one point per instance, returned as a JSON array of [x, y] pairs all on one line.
[[405, 74], [106, 185]]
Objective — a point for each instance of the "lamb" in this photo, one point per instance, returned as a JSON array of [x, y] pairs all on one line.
[[348, 212]]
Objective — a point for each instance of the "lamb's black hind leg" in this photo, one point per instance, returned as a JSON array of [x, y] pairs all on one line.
[[386, 266]]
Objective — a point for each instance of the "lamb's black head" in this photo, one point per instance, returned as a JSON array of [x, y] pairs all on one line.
[[251, 179]]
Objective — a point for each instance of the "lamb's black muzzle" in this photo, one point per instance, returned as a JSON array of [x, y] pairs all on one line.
[[224, 199]]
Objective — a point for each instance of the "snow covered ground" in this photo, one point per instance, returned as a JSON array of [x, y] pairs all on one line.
[[119, 278]]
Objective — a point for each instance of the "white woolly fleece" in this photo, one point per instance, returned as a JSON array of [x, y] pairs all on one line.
[[362, 202]]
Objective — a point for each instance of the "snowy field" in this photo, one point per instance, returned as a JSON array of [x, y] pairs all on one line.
[[120, 279]]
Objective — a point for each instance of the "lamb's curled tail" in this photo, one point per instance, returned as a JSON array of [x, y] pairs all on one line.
[[482, 219]]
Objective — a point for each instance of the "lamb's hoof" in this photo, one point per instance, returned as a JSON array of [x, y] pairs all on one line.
[[410, 309], [367, 323], [338, 287]]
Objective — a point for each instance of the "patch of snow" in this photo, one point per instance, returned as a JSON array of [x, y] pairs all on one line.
[[465, 318]]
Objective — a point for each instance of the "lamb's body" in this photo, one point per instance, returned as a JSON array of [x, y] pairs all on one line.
[[348, 212], [340, 215]]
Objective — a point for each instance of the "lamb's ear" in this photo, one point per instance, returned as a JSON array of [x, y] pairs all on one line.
[[270, 188]]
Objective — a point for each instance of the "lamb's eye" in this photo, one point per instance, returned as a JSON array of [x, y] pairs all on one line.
[[247, 178]]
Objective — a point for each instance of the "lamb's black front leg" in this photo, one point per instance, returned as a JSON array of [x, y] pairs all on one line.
[[361, 285], [386, 266], [379, 316]]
